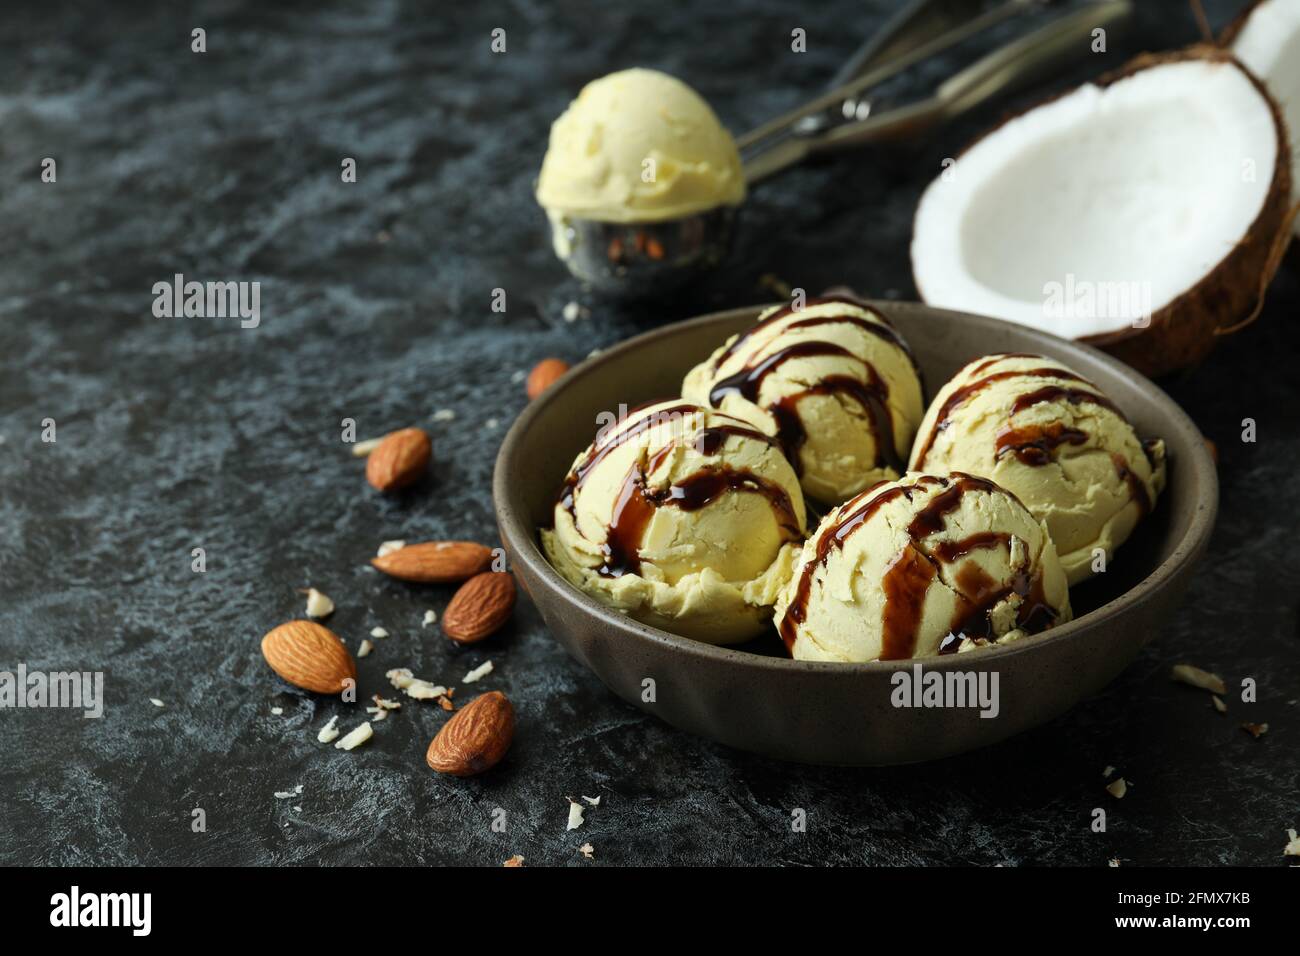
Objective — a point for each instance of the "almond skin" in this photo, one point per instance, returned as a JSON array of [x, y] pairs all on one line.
[[480, 607], [435, 562], [309, 656], [544, 374], [399, 460], [475, 738]]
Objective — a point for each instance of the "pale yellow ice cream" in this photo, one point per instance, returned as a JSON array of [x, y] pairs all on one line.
[[832, 381], [924, 565], [1053, 439], [639, 146], [682, 517]]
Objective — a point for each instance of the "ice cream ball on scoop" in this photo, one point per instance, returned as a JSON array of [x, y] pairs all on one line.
[[683, 518], [832, 381], [639, 146], [1051, 437], [928, 564]]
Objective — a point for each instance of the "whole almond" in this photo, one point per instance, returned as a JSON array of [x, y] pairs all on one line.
[[544, 374], [309, 656], [480, 607], [475, 738], [435, 562], [399, 460]]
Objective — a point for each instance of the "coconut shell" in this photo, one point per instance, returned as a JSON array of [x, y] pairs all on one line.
[[1185, 331], [1230, 33], [1227, 40]]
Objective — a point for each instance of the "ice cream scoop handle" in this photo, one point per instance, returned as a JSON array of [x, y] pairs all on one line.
[[1023, 60]]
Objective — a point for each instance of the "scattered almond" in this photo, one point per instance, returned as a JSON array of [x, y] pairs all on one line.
[[1255, 730], [400, 459], [1199, 678], [365, 649], [435, 562], [1292, 847], [480, 607], [587, 850], [544, 374], [1217, 703], [475, 738], [1117, 788], [309, 656], [515, 860], [445, 703]]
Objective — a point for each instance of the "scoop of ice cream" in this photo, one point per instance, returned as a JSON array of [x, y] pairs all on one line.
[[683, 517], [1053, 439], [920, 566], [639, 146], [832, 381]]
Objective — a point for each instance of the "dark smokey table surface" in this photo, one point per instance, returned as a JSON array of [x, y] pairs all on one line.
[[183, 433]]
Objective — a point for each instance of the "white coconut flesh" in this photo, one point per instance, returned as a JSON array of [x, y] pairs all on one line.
[[1134, 191], [1269, 43]]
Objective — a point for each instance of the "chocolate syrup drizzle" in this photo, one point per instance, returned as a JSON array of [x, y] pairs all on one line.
[[964, 394], [908, 577], [872, 394], [636, 503]]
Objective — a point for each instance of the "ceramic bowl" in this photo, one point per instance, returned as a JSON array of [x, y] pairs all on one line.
[[752, 696]]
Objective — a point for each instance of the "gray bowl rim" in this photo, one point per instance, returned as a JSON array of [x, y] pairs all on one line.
[[521, 536]]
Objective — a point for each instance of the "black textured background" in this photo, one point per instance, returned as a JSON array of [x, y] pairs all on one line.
[[183, 433]]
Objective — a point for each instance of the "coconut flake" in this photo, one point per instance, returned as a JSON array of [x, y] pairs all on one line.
[[1196, 677], [388, 547], [575, 815], [363, 448], [378, 633], [356, 737], [329, 732], [1292, 847], [429, 618], [1117, 788], [318, 605], [412, 686], [478, 673]]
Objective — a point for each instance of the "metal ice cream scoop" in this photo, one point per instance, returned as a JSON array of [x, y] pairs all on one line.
[[643, 259]]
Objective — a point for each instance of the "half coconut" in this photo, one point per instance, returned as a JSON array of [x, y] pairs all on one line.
[[1266, 38], [1139, 213]]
